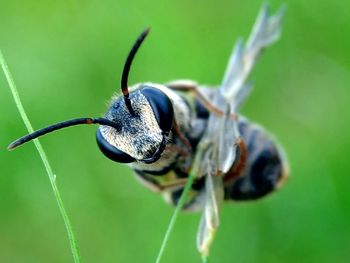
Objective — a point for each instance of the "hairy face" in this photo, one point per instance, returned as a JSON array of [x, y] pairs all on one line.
[[139, 136]]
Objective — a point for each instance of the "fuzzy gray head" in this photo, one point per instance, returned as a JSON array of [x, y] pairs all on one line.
[[140, 135]]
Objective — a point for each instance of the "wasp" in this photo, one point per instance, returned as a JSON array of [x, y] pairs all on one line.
[[164, 132]]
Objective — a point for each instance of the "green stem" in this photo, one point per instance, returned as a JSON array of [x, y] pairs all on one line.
[[178, 209], [52, 176]]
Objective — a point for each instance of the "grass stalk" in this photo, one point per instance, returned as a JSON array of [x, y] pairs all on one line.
[[51, 175], [177, 210]]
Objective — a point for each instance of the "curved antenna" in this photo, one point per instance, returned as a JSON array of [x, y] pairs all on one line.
[[127, 65], [61, 125]]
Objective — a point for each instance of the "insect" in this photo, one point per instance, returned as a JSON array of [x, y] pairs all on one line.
[[165, 132]]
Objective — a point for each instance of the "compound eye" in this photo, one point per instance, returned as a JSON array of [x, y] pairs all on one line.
[[162, 107], [112, 152]]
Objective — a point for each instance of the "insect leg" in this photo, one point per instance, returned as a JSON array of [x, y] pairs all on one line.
[[191, 87], [239, 165], [155, 186], [181, 135]]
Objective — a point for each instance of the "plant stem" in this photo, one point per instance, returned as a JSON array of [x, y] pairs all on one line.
[[52, 176], [178, 208]]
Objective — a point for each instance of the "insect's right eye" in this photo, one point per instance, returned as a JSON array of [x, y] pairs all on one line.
[[112, 152], [161, 106]]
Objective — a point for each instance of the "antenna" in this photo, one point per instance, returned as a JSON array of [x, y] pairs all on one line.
[[127, 65], [61, 125]]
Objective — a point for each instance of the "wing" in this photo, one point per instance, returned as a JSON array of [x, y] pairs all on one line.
[[217, 149], [210, 217]]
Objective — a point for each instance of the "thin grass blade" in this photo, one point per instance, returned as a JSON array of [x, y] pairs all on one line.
[[178, 209], [51, 175]]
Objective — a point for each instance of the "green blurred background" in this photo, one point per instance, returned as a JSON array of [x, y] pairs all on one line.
[[66, 58]]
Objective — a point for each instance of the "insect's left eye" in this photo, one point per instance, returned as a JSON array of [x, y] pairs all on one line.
[[112, 152], [161, 106]]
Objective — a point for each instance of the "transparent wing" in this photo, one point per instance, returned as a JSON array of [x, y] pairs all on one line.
[[217, 149], [266, 31], [222, 130], [210, 217]]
